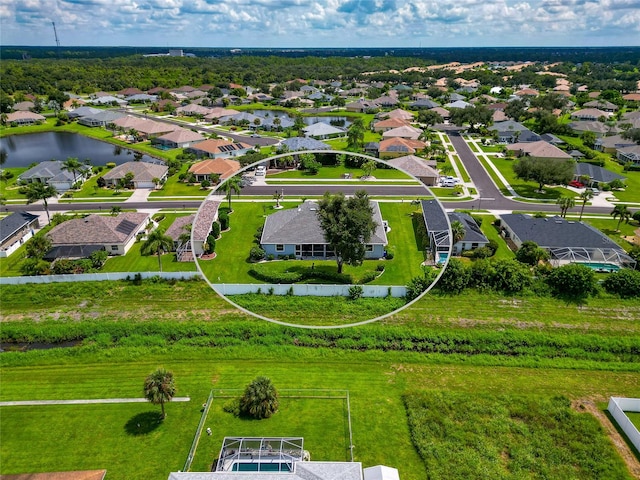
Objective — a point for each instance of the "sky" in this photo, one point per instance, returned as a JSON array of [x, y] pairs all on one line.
[[321, 23]]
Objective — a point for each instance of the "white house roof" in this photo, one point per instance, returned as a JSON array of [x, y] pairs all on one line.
[[381, 472], [321, 128]]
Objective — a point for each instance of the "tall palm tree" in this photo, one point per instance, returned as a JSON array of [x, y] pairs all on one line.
[[160, 388], [457, 231], [157, 242], [565, 204], [41, 191], [260, 399], [73, 165], [230, 186], [585, 197], [621, 211]]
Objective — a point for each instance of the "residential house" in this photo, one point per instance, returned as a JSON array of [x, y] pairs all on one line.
[[527, 92], [511, 131], [600, 129], [179, 227], [24, 118], [398, 113], [539, 149], [387, 101], [180, 138], [126, 92], [144, 128], [109, 100], [443, 112], [193, 109], [323, 131], [406, 131], [222, 168], [589, 114], [389, 124], [23, 106], [631, 97], [216, 113], [15, 229], [612, 144], [83, 112], [362, 106], [595, 173], [102, 119], [458, 104], [79, 237], [473, 236], [145, 175], [219, 148], [52, 173], [295, 144], [297, 231], [629, 155], [399, 147], [438, 230], [423, 103], [567, 241], [207, 214], [423, 170], [552, 139], [141, 98], [603, 105]]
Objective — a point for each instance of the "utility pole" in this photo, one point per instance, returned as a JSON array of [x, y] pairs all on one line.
[[57, 40]]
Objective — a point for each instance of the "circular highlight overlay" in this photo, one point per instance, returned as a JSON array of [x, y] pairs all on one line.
[[268, 255]]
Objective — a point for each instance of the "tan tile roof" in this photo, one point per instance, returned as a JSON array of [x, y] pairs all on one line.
[[401, 145], [206, 215], [98, 229], [182, 135], [390, 123], [79, 475], [22, 115], [142, 171], [539, 149], [406, 131], [177, 227], [416, 166], [221, 166]]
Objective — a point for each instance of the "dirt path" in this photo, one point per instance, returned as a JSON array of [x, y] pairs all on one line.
[[632, 462]]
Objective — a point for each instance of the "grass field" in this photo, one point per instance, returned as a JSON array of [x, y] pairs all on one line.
[[338, 172], [9, 188], [635, 418]]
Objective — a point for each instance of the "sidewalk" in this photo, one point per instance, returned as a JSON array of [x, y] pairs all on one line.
[[139, 195]]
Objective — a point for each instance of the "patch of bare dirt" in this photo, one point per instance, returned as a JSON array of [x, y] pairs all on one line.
[[589, 406]]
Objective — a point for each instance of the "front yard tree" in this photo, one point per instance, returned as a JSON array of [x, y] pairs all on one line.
[[157, 243], [74, 166], [36, 191], [355, 134], [621, 212], [585, 197], [544, 171], [565, 203], [368, 167], [260, 399], [458, 231], [160, 388], [231, 186], [348, 225]]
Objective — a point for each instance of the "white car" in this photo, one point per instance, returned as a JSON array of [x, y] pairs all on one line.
[[261, 171]]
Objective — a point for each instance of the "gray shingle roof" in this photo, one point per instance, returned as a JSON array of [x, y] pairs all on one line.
[[142, 171], [97, 229], [557, 232], [206, 215], [472, 234], [14, 222], [299, 143], [49, 170], [301, 225], [434, 217], [596, 173]]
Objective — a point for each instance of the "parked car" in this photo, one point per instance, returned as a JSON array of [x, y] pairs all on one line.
[[576, 184], [594, 191], [261, 171]]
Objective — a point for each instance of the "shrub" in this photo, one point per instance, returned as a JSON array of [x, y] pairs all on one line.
[[35, 266], [110, 164], [511, 276], [223, 218], [232, 407], [455, 277], [368, 277], [210, 246], [256, 254], [260, 399], [292, 256], [380, 267], [215, 229], [573, 281], [98, 258], [355, 292], [389, 255], [101, 182], [270, 257], [625, 283]]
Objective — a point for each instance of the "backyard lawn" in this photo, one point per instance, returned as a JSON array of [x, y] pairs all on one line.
[[9, 188]]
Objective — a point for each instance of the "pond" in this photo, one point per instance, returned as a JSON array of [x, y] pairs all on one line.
[[23, 150], [307, 120]]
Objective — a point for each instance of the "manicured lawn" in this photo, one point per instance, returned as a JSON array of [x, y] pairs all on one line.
[[90, 189], [509, 436], [635, 418], [491, 148], [503, 252], [338, 172], [608, 226], [9, 189], [173, 187], [528, 189], [445, 192], [461, 167]]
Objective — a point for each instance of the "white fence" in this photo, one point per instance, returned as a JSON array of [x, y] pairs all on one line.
[[617, 407], [308, 289], [96, 277]]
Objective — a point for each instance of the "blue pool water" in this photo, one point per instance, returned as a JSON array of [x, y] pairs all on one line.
[[602, 267], [442, 257]]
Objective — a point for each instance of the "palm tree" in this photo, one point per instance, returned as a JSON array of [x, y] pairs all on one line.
[[232, 184], [157, 242], [73, 165], [36, 191], [159, 388], [457, 231], [565, 204], [621, 211], [260, 399], [585, 197]]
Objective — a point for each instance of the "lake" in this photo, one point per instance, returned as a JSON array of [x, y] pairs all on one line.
[[23, 150]]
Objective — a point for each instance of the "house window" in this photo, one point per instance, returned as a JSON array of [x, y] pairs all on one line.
[[368, 248], [114, 248], [279, 247]]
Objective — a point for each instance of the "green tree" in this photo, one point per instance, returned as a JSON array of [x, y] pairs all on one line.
[[510, 276], [157, 243], [260, 399], [621, 212], [585, 196], [625, 283], [38, 246], [159, 388], [457, 231], [231, 186], [455, 277], [355, 134], [530, 253], [573, 281], [73, 165], [544, 170], [347, 225], [368, 167], [565, 204], [37, 191]]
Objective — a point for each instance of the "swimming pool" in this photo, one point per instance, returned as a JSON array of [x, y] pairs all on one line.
[[443, 257], [602, 267]]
